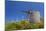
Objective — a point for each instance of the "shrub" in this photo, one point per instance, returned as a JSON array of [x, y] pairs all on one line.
[[20, 25]]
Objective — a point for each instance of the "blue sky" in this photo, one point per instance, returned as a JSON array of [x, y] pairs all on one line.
[[13, 9]]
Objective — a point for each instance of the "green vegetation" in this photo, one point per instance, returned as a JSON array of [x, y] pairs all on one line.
[[22, 25]]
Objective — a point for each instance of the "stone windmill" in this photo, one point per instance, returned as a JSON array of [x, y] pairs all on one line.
[[33, 16]]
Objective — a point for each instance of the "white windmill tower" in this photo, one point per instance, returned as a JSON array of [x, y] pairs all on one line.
[[36, 16]]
